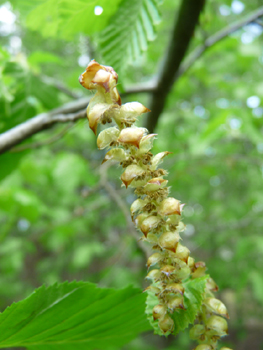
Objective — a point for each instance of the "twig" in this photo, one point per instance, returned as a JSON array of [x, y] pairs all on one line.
[[32, 126], [215, 38], [260, 23], [60, 86], [49, 141], [170, 74], [183, 31]]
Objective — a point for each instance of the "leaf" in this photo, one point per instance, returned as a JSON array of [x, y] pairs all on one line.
[[39, 57], [66, 180], [64, 18], [257, 285], [75, 315], [22, 202], [212, 132], [11, 162], [193, 296], [129, 31], [30, 95], [83, 255]]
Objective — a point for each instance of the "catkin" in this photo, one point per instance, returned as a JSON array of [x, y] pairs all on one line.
[[155, 213]]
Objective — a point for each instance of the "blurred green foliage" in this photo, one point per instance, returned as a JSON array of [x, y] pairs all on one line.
[[58, 222]]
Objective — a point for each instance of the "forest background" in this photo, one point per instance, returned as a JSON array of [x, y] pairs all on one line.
[[198, 66]]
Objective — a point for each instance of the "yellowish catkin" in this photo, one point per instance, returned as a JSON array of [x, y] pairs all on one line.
[[155, 214]]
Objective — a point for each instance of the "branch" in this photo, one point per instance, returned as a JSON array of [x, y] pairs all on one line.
[[60, 86], [49, 141], [260, 23], [215, 38], [162, 91], [71, 112], [182, 34], [32, 126]]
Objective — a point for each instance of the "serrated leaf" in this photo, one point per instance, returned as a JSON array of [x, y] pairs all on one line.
[[151, 301], [193, 296], [75, 315], [129, 31], [64, 18]]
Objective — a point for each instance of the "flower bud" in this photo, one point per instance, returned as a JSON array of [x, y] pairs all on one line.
[[139, 219], [217, 324], [98, 76], [175, 302], [148, 224], [139, 182], [152, 289], [107, 136], [204, 347], [152, 238], [89, 74], [199, 264], [136, 206], [173, 220], [224, 348], [159, 311], [175, 288], [169, 206], [169, 240], [155, 184], [131, 136], [180, 227], [216, 306], [115, 96], [116, 154], [166, 324], [191, 262], [103, 79], [131, 110], [197, 331], [154, 259], [183, 273], [182, 252], [95, 113], [199, 269], [176, 261], [158, 158], [130, 173], [211, 285], [154, 275], [146, 143], [168, 270]]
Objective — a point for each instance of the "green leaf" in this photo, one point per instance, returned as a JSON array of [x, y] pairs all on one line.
[[64, 18], [11, 162], [193, 296], [75, 315], [84, 254], [39, 57], [257, 285], [20, 201], [129, 31]]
